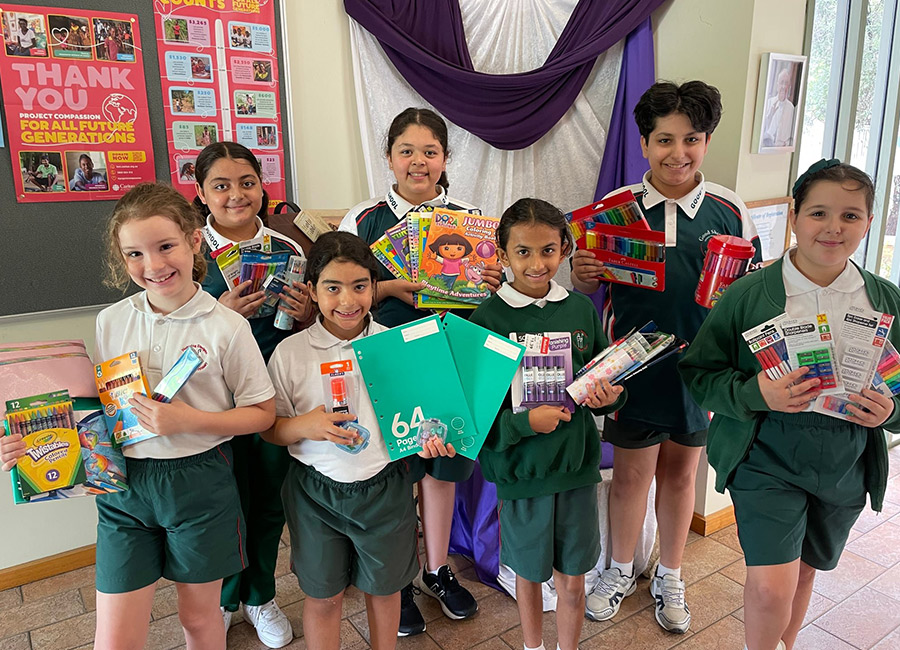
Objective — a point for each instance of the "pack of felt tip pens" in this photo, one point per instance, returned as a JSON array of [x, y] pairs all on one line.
[[615, 231], [767, 345]]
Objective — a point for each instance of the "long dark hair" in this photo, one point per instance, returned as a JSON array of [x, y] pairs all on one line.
[[426, 118], [213, 153]]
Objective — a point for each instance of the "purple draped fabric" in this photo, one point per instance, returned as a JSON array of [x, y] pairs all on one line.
[[426, 43]]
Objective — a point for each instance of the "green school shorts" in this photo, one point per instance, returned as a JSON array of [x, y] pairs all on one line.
[[629, 435], [800, 490], [179, 519], [453, 470], [556, 531], [361, 533]]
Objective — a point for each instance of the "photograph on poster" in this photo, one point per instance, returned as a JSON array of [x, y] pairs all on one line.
[[240, 36], [201, 67], [780, 91], [205, 134], [70, 37], [175, 30], [87, 171], [24, 34], [183, 101], [262, 71], [245, 103], [186, 170], [42, 171], [113, 40]]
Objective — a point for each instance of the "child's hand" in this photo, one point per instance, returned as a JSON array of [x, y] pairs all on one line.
[[296, 297], [601, 393], [788, 394], [12, 448], [435, 447], [401, 289], [161, 418], [545, 418], [247, 305], [879, 408], [492, 275], [586, 270], [320, 425]]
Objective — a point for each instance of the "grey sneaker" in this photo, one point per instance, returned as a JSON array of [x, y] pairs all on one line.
[[605, 598], [672, 612]]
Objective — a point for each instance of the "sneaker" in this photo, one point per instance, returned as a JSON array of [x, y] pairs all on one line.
[[672, 612], [605, 598], [226, 617], [272, 627], [411, 621], [456, 601]]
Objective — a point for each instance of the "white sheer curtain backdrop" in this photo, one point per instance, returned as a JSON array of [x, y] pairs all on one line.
[[504, 36]]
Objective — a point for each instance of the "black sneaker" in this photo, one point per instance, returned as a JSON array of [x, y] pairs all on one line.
[[411, 621], [456, 601]]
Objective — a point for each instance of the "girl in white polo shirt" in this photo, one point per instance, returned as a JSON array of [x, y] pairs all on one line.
[[351, 515], [181, 517]]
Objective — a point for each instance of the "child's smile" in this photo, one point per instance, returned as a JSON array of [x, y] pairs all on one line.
[[344, 295], [675, 151], [534, 253]]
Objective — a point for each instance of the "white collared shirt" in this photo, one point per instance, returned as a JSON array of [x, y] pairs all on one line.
[[689, 203], [295, 369], [516, 299], [215, 240], [233, 371], [803, 297]]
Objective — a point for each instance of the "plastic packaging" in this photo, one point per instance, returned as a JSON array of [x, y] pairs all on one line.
[[727, 259]]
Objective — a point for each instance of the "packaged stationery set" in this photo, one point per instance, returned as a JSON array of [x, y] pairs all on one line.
[[466, 370], [625, 358], [63, 459], [545, 371], [270, 272], [447, 250], [120, 378], [616, 231], [861, 357], [339, 390], [727, 259]]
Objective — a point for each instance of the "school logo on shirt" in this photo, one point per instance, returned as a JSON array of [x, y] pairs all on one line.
[[704, 240], [579, 340]]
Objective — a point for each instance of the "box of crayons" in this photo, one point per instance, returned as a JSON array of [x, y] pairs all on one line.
[[117, 380], [52, 459], [617, 233]]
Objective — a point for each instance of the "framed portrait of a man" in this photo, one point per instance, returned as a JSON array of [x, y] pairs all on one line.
[[782, 78]]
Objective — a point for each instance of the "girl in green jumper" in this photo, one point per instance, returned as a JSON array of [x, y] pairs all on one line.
[[798, 479], [545, 461]]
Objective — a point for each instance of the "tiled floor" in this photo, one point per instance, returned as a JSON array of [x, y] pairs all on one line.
[[855, 606]]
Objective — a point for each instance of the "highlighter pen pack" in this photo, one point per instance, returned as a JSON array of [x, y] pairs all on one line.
[[545, 371], [339, 388], [117, 380], [52, 459]]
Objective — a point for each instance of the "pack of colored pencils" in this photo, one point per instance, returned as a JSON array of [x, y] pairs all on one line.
[[615, 231], [117, 380], [52, 459]]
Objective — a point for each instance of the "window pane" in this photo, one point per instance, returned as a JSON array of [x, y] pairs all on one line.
[[818, 83], [867, 79], [890, 231]]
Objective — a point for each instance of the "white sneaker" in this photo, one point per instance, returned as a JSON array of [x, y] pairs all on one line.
[[605, 598], [226, 617], [272, 627], [672, 612]]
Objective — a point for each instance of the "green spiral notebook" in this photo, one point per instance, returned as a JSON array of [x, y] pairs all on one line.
[[453, 373]]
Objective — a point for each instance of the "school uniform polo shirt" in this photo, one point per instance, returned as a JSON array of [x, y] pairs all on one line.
[[517, 299], [263, 327], [233, 373], [657, 398], [295, 369], [370, 219]]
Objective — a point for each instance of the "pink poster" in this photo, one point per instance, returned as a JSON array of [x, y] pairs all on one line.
[[220, 82], [75, 102]]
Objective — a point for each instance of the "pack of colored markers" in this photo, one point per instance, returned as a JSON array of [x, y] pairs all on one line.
[[63, 458], [616, 231], [626, 358], [767, 345], [545, 371], [254, 260]]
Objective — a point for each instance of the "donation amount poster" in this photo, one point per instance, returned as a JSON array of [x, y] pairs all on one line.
[[75, 102], [220, 83]]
